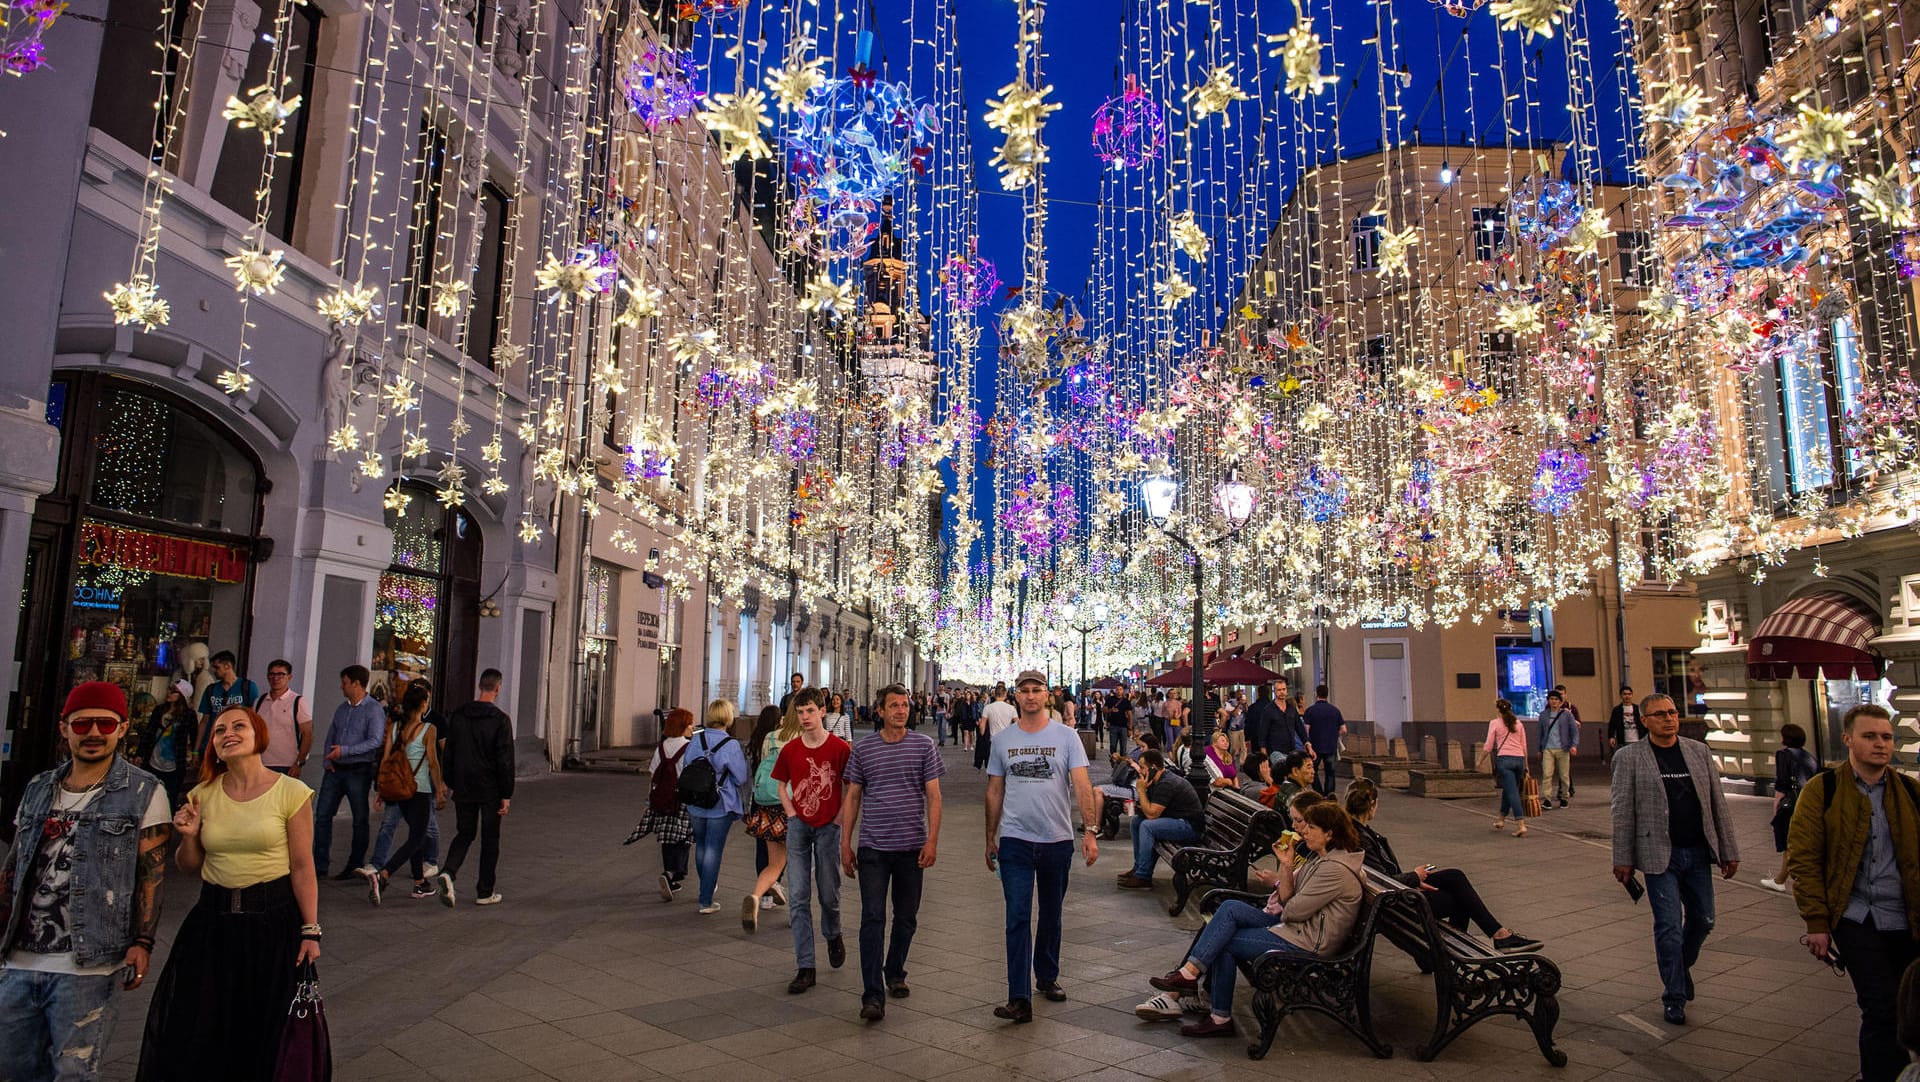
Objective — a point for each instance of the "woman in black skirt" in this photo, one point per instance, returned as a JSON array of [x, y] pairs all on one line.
[[222, 1001]]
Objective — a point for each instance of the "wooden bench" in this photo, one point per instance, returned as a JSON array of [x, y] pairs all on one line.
[[1471, 980], [1239, 831]]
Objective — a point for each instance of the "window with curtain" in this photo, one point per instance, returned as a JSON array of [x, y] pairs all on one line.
[[1807, 422]]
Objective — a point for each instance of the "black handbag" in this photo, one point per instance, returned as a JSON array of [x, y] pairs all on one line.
[[306, 1051]]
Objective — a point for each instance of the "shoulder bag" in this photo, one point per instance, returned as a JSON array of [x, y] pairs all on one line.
[[306, 1049]]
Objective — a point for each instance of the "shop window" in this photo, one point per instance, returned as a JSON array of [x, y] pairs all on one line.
[[156, 461], [236, 177], [426, 610], [1638, 267], [1673, 677], [670, 621]]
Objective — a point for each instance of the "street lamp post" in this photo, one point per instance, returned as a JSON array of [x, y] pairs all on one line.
[[1234, 500], [1100, 619]]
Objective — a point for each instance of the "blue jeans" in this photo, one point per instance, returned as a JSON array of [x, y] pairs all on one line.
[[390, 825], [352, 782], [54, 1025], [1237, 932], [1024, 866], [1507, 771], [709, 842], [1149, 832], [1682, 901], [813, 855]]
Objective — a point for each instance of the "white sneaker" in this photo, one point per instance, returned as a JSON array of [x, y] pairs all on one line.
[[446, 888], [1164, 1007], [1771, 885], [710, 909], [365, 870], [766, 901], [778, 893], [666, 887], [491, 899], [430, 869]]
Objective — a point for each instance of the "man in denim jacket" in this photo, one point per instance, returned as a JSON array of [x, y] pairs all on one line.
[[80, 895]]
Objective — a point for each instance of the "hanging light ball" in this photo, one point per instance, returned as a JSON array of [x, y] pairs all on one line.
[[659, 86], [969, 281], [1128, 131]]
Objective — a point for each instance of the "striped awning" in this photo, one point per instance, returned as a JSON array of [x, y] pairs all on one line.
[[1826, 634]]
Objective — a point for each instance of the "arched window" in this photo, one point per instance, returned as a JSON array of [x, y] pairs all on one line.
[[426, 613]]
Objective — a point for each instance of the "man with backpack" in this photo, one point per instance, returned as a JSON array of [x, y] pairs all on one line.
[[478, 765], [1854, 851], [289, 719], [711, 775]]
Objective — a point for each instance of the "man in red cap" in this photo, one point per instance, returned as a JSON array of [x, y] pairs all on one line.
[[80, 894]]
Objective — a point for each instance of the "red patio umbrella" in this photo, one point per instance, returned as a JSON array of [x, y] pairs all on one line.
[[1107, 683], [1180, 676], [1236, 670]]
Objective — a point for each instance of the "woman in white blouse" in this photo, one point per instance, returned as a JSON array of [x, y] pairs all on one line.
[[836, 721]]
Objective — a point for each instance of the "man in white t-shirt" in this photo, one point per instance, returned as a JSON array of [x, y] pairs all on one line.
[[289, 719], [1035, 774], [999, 713], [60, 962]]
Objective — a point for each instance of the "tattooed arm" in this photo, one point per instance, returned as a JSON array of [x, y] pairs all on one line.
[[150, 868]]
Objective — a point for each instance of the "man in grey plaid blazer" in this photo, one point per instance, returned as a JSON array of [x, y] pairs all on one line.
[[1670, 824]]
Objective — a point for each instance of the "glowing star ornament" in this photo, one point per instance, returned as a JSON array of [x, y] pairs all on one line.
[[1583, 241], [1592, 331], [344, 439], [1535, 17], [1299, 52], [1394, 248], [1128, 131], [1679, 105], [737, 120], [449, 298], [1519, 318], [1885, 200], [348, 306], [137, 301], [397, 500], [791, 83], [1819, 137], [1188, 236], [568, 280], [1174, 290], [828, 297], [1019, 114], [372, 466], [256, 270], [1215, 94], [235, 381], [262, 110], [414, 446]]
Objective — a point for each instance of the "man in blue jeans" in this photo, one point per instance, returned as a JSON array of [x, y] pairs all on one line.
[[1038, 767], [1670, 823], [809, 771], [353, 743], [1168, 811], [894, 776]]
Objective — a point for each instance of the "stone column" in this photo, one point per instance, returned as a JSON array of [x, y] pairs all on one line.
[[1901, 647], [1743, 715]]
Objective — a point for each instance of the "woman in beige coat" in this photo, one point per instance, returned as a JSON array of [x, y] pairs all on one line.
[[1312, 909]]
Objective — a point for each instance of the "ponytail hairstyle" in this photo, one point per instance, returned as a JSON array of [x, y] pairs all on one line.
[[1506, 713]]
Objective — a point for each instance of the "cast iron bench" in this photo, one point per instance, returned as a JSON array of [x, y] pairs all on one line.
[[1239, 831]]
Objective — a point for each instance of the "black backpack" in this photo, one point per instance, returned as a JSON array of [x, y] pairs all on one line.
[[699, 785]]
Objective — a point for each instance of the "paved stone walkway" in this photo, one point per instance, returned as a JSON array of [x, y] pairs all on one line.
[[584, 974]]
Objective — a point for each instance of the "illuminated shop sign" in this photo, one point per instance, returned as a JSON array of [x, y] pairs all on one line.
[[102, 545]]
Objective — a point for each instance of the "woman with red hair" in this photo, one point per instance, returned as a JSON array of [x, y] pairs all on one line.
[[673, 828], [222, 1000]]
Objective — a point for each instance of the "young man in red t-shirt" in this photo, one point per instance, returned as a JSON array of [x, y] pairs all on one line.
[[809, 772]]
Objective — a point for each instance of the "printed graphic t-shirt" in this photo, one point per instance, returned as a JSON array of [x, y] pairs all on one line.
[[1038, 768], [1685, 825], [813, 777], [45, 941]]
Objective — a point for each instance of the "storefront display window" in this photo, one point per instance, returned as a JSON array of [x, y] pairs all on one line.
[[425, 611], [156, 461]]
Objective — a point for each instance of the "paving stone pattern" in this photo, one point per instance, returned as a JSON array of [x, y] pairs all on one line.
[[584, 974]]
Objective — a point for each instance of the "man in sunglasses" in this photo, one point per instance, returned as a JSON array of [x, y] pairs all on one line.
[[80, 895]]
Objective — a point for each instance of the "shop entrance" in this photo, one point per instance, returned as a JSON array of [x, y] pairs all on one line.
[[426, 615]]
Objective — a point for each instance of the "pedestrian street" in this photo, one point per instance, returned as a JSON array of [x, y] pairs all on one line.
[[582, 973]]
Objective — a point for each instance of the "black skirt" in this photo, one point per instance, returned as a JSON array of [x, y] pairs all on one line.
[[222, 999]]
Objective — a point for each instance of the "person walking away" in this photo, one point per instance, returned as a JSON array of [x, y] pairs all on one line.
[[1325, 726], [1670, 823], [1853, 849], [169, 739], [354, 738], [810, 772], [227, 689], [62, 959], [394, 817], [1263, 722], [893, 798], [999, 714], [289, 720], [1623, 725], [1559, 743], [1033, 778], [1167, 810], [940, 719], [1507, 743], [726, 770], [477, 763], [767, 820], [221, 1002], [415, 743], [1793, 767], [672, 825]]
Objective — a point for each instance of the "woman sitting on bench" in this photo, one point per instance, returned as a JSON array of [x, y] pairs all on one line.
[[1449, 892], [1311, 910]]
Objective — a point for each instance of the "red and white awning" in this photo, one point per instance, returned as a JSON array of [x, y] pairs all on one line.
[[1819, 634]]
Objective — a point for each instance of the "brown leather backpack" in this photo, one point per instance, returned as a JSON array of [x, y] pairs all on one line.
[[395, 779]]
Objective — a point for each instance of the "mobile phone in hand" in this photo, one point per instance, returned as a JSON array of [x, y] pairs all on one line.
[[1634, 890]]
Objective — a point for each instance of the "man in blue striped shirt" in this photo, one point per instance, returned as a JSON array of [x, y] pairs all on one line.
[[353, 742], [894, 776]]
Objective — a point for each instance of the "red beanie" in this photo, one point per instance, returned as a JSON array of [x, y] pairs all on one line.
[[96, 695]]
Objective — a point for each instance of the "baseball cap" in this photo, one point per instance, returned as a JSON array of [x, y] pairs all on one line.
[[1031, 676]]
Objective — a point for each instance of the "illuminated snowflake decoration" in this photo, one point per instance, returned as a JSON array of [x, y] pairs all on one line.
[[1174, 289], [1544, 211], [1394, 248], [1519, 318], [660, 86], [1535, 17], [568, 281], [348, 306], [1216, 93], [1128, 131], [1591, 330], [1559, 477], [794, 81], [969, 282], [449, 298], [1188, 236], [1679, 105], [1886, 200], [507, 354], [859, 136], [256, 270], [1299, 52], [138, 300], [344, 439], [372, 466], [1819, 137], [235, 381], [737, 120], [1664, 308], [1019, 114], [828, 297], [1583, 241], [262, 110]]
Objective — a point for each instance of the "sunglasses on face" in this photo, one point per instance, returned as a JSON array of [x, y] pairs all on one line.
[[86, 726]]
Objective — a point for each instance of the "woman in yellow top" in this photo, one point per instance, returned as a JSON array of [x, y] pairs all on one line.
[[414, 738], [222, 1000]]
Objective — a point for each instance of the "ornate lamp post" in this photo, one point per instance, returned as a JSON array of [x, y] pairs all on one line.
[[1100, 619], [1234, 500]]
